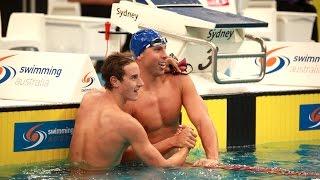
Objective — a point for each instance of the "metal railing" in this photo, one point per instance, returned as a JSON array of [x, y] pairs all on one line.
[[261, 57]]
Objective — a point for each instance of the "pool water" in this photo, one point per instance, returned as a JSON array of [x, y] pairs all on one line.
[[301, 158]]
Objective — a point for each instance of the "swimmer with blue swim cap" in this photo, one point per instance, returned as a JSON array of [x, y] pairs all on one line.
[[162, 97]]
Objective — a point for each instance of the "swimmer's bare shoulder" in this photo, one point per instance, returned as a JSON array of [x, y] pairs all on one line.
[[129, 125], [177, 79], [92, 95]]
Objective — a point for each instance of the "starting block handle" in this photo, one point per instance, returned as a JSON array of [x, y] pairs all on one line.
[[261, 56]]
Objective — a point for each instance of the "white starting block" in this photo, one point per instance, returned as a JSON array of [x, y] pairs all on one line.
[[45, 77], [76, 34], [56, 33], [210, 40]]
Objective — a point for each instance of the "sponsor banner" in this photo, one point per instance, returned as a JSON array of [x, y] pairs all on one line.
[[292, 63], [42, 135], [46, 77], [309, 117]]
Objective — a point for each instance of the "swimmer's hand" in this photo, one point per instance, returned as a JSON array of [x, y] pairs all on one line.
[[172, 65], [185, 137], [176, 67], [206, 163]]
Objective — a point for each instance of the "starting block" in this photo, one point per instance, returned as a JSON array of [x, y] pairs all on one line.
[[210, 40]]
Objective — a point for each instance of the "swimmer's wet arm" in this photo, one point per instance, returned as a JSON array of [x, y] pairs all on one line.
[[207, 134], [166, 145], [199, 116], [151, 156], [163, 147], [148, 153], [178, 158]]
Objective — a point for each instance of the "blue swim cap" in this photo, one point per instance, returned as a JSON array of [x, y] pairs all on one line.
[[145, 38]]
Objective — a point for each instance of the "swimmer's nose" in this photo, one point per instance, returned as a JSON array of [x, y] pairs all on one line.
[[163, 54], [140, 83]]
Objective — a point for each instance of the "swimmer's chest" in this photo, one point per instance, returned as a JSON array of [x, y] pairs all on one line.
[[157, 109]]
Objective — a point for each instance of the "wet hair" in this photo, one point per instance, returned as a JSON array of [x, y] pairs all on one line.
[[114, 66]]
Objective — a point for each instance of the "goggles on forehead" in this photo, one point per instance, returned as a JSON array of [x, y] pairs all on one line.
[[157, 42]]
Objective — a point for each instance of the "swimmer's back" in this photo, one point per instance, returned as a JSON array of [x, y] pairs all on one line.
[[96, 139]]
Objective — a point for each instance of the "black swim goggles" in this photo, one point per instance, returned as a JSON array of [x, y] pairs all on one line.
[[157, 42]]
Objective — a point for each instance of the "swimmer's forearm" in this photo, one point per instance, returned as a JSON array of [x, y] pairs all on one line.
[[165, 145], [178, 158], [209, 139]]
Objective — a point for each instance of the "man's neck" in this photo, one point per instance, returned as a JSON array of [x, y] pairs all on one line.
[[150, 80], [118, 98]]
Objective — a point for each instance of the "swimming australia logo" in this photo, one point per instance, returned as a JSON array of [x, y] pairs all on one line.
[[6, 72], [87, 80], [34, 136], [314, 117], [30, 136], [55, 72], [275, 63], [310, 117]]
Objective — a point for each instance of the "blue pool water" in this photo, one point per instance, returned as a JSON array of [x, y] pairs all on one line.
[[301, 157]]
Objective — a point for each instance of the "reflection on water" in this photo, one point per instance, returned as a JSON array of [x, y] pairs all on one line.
[[293, 157]]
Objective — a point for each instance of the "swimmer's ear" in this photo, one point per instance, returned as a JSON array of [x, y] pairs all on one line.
[[139, 57], [114, 81]]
